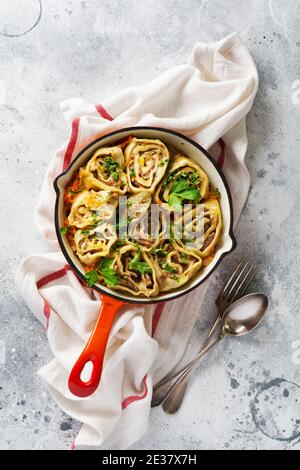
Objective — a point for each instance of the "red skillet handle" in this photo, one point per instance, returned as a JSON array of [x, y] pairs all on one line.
[[94, 350]]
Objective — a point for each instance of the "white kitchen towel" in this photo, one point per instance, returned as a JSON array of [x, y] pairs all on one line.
[[206, 100]]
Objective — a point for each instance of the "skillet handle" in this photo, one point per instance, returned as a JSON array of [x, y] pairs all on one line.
[[94, 350]]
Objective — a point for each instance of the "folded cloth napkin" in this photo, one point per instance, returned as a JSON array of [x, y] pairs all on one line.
[[206, 100]]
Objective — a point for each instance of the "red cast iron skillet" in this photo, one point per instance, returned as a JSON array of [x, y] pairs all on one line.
[[94, 350]]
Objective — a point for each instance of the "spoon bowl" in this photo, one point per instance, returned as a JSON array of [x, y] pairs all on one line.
[[245, 314]]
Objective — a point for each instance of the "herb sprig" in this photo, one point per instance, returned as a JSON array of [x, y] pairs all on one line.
[[183, 188], [105, 269], [140, 266]]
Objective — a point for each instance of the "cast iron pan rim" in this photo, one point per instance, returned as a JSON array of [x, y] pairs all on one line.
[[113, 294]]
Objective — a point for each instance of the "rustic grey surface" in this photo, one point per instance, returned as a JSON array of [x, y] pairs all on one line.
[[246, 394]]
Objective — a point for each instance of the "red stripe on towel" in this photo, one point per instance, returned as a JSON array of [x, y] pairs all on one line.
[[156, 316], [52, 276], [103, 113], [222, 155], [131, 399], [71, 144], [46, 311]]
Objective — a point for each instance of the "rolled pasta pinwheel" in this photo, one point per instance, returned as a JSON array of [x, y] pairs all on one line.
[[174, 265], [145, 227], [105, 170], [90, 206], [146, 162], [185, 182], [91, 245], [208, 223], [135, 271]]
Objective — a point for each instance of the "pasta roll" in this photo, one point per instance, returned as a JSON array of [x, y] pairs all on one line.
[[90, 206], [93, 244], [138, 204], [185, 182], [105, 171], [146, 227], [146, 162], [210, 225], [135, 272], [174, 265]]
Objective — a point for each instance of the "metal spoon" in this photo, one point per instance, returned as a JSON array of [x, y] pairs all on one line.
[[239, 319]]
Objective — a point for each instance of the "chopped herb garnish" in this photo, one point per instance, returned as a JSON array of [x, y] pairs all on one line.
[[91, 277], [218, 192], [168, 268], [182, 256], [109, 275], [181, 190], [110, 164], [132, 172], [193, 177], [139, 266], [63, 230], [111, 167], [170, 176], [84, 232], [159, 252]]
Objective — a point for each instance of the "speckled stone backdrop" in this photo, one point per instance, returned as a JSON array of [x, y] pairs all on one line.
[[246, 393]]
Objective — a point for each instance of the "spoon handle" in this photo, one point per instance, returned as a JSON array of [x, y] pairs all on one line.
[[161, 390], [176, 393]]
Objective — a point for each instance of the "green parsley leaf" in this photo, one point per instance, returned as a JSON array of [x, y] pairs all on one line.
[[174, 201], [91, 277], [179, 185], [191, 194], [84, 232], [132, 172], [110, 276], [181, 189], [63, 230], [139, 266]]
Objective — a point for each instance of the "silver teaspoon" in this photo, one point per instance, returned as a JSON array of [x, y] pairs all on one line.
[[239, 319]]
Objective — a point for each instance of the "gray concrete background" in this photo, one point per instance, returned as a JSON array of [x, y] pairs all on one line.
[[246, 394]]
